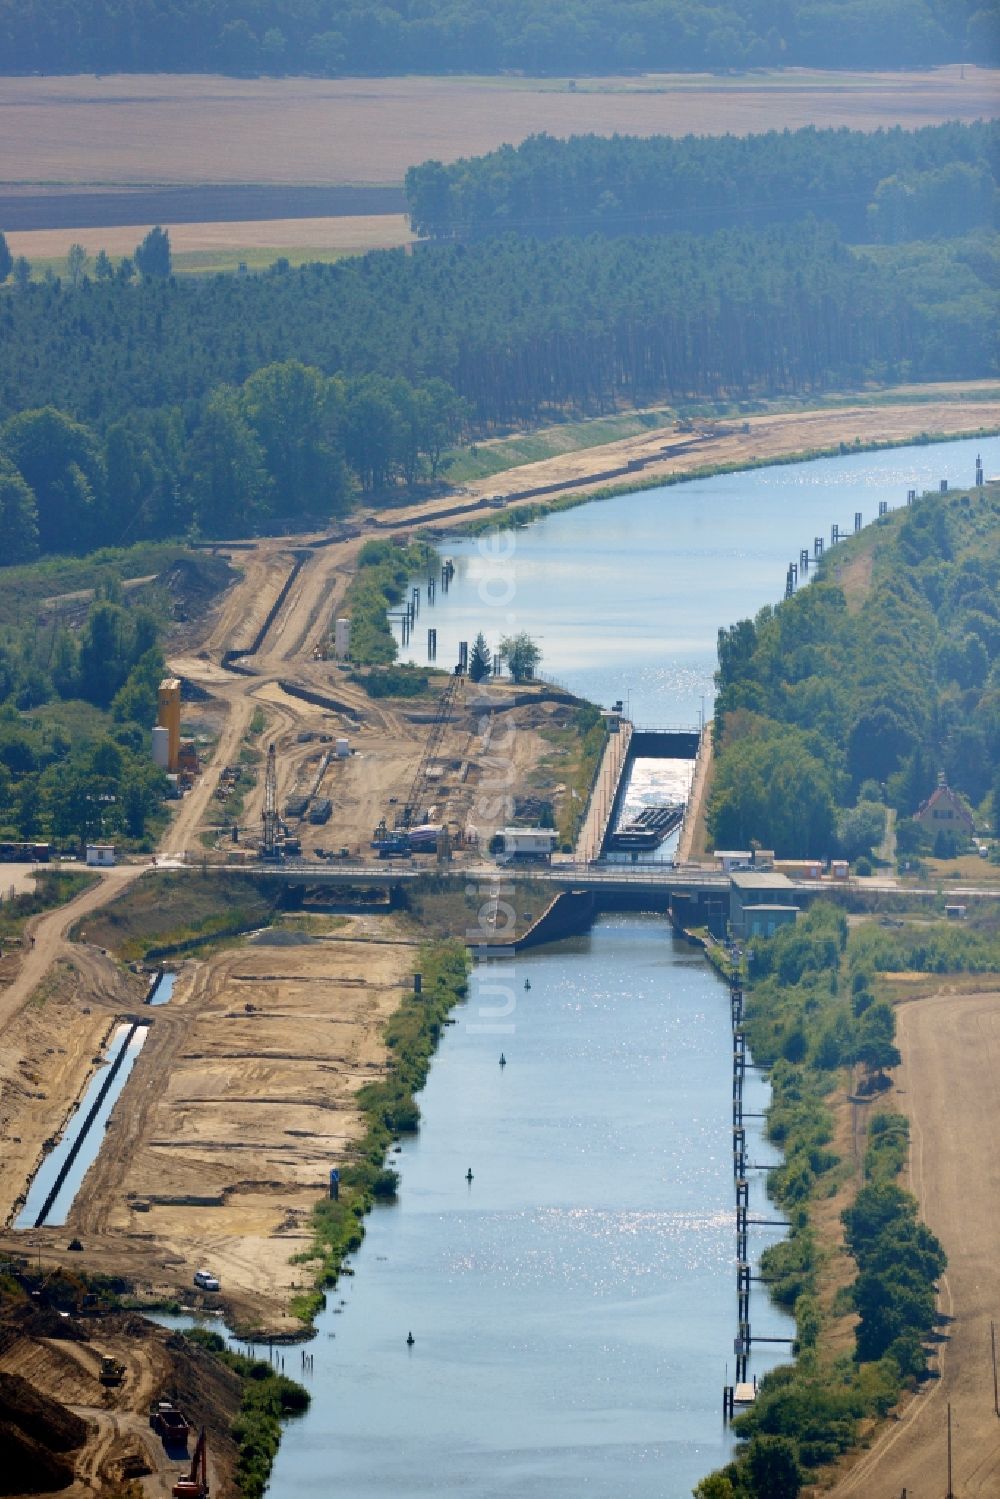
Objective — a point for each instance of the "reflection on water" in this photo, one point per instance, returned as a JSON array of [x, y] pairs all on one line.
[[45, 1177], [653, 783], [626, 596], [571, 1308]]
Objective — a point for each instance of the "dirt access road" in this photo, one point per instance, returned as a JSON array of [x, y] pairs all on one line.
[[65, 1368], [950, 1044]]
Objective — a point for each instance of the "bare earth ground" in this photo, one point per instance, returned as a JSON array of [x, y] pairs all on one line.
[[769, 437], [246, 1109], [137, 129], [348, 235], [950, 1043], [15, 879], [66, 1370]]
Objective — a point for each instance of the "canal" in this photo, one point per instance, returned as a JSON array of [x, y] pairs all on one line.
[[573, 1306]]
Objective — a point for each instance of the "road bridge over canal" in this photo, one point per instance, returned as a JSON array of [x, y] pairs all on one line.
[[659, 880]]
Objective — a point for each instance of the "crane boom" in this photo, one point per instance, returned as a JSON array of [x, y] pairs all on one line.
[[269, 820]]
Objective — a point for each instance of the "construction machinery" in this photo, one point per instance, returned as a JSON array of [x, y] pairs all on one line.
[[410, 813], [392, 845], [167, 1421], [112, 1370], [195, 1484], [269, 820]]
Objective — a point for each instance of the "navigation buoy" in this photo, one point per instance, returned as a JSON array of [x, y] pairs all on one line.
[[503, 1060], [468, 1174], [410, 1340]]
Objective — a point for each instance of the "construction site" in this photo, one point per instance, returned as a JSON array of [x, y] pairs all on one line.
[[184, 1048], [170, 1114]]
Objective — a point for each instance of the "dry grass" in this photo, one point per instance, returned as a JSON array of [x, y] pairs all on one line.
[[129, 130]]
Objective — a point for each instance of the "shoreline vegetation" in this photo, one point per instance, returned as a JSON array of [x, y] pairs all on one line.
[[806, 698], [812, 1021], [391, 1110], [807, 1018], [515, 516], [520, 448]]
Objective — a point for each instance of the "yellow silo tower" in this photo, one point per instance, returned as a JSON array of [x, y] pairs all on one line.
[[169, 717]]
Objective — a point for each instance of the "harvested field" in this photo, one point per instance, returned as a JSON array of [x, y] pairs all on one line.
[[950, 1044], [139, 130], [218, 245]]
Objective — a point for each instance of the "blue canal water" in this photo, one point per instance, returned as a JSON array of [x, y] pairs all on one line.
[[573, 1307], [46, 1175], [625, 597], [163, 989]]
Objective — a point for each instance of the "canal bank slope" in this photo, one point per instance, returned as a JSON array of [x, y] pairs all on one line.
[[775, 437]]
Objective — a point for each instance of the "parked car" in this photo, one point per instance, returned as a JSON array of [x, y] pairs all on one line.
[[206, 1281]]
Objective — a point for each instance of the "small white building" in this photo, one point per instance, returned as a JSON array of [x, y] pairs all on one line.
[[101, 855], [729, 859], [530, 845]]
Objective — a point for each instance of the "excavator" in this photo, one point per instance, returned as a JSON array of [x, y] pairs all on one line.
[[195, 1484]]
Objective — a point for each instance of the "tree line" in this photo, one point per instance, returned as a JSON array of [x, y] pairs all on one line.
[[826, 714], [75, 714], [289, 444], [330, 37], [811, 1015], [884, 185], [232, 399]]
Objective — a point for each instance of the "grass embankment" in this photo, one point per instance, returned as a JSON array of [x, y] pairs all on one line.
[[266, 1399], [392, 681], [390, 1109], [812, 1017], [524, 515], [481, 460], [53, 887], [173, 909], [384, 570], [576, 757]]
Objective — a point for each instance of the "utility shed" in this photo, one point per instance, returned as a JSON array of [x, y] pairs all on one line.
[[752, 888], [100, 854]]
